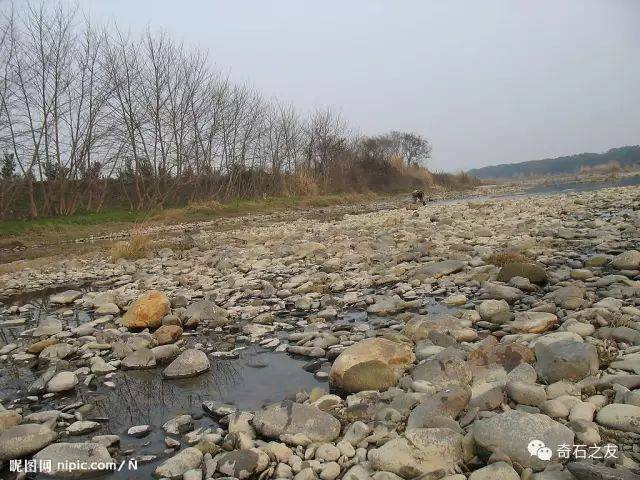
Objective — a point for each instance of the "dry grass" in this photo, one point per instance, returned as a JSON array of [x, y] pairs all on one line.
[[500, 259], [302, 182], [138, 247], [417, 172], [205, 207]]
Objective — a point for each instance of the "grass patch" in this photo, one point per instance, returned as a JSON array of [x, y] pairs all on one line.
[[138, 247], [79, 221], [55, 236]]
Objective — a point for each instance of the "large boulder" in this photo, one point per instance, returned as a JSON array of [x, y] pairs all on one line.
[[176, 466], [566, 360], [206, 311], [189, 363], [629, 260], [534, 272], [570, 297], [371, 364], [287, 419], [418, 328], [495, 311], [147, 311], [511, 432], [620, 416], [243, 463], [85, 459], [440, 373], [501, 292], [25, 439], [420, 451], [533, 322], [509, 355]]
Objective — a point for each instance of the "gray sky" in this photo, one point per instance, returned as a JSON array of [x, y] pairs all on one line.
[[485, 81]]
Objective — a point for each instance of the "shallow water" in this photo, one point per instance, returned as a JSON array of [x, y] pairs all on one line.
[[582, 186], [142, 397]]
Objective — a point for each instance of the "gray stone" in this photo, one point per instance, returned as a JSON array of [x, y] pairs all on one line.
[[87, 459], [502, 292], [419, 451], [511, 432], [629, 260], [495, 471], [620, 416], [566, 360], [176, 466], [47, 327], [22, 440], [439, 269], [66, 297], [290, 418], [82, 426], [243, 463], [139, 359], [206, 311], [62, 381], [189, 363]]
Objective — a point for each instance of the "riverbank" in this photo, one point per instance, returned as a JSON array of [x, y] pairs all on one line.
[[433, 341]]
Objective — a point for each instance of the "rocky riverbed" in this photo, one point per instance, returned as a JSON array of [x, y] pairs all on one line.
[[484, 339]]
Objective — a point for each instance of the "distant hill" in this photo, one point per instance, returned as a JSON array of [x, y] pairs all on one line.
[[616, 157]]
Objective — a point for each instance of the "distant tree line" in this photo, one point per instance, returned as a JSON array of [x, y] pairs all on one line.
[[614, 159], [92, 118]]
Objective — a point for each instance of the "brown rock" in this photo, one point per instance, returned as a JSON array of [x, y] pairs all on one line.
[[38, 347], [147, 311], [509, 355], [167, 334], [371, 364], [419, 327]]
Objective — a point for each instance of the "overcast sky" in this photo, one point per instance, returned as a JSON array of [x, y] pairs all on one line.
[[485, 81]]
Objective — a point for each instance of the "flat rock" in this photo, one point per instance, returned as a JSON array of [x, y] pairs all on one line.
[[620, 417], [47, 327], [290, 418], [533, 322], [420, 451], [87, 459], [439, 269], [22, 440], [511, 432], [66, 297], [591, 471], [629, 260]]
